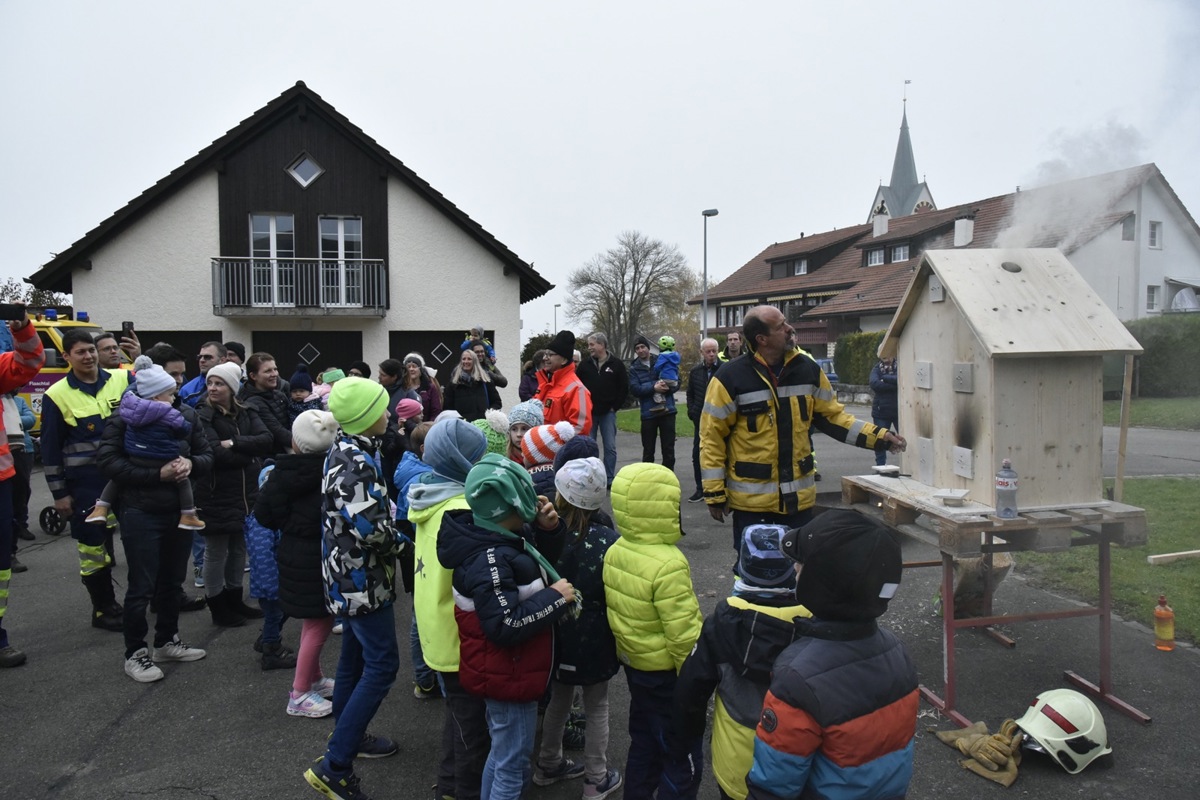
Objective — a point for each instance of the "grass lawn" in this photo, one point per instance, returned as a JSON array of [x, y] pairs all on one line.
[[630, 421], [1175, 413], [1172, 508]]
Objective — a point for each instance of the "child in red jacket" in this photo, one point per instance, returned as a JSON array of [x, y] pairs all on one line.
[[507, 597]]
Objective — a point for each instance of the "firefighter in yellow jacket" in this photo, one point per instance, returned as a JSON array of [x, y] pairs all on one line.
[[755, 450]]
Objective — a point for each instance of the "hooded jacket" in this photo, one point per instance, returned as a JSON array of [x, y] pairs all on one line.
[[587, 651], [504, 608], [429, 499], [152, 429], [652, 607], [290, 502], [274, 408], [840, 716], [141, 485], [359, 543], [566, 399], [734, 656], [409, 470]]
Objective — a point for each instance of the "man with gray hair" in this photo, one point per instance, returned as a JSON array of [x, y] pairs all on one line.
[[608, 381]]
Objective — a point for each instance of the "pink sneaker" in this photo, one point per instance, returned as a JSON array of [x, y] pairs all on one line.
[[309, 704]]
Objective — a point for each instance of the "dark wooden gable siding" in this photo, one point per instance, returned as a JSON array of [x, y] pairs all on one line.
[[255, 180]]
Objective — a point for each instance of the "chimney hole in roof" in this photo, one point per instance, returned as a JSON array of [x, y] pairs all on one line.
[[1009, 266]]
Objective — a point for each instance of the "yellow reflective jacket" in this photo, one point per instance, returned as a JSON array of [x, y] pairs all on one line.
[[755, 444], [652, 607]]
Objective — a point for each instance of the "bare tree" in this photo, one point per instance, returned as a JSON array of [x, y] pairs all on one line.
[[12, 290], [623, 290]]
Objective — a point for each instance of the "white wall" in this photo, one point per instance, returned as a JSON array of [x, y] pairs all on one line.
[[441, 278], [1179, 256], [157, 272]]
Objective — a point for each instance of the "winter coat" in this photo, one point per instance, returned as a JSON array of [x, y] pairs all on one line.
[[667, 366], [153, 430], [226, 496], [566, 399], [587, 651], [504, 608], [430, 395], [652, 607], [734, 656], [642, 378], [472, 398], [528, 386], [274, 408], [755, 443], [883, 384], [410, 469], [840, 716], [429, 499], [359, 541], [290, 502], [698, 380], [138, 480], [262, 545], [607, 382]]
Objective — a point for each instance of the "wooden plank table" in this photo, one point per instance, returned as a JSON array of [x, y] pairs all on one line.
[[973, 530]]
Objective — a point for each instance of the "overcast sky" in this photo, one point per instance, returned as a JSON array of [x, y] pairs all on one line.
[[557, 125]]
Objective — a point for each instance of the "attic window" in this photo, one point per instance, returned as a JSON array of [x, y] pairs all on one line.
[[305, 170], [875, 257]]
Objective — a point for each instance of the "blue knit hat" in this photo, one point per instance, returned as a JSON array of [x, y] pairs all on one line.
[[530, 413], [452, 447], [301, 379], [579, 447]]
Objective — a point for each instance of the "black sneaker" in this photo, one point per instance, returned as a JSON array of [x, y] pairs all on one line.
[[17, 566], [574, 737], [373, 746], [108, 621], [23, 532], [697, 496], [330, 785]]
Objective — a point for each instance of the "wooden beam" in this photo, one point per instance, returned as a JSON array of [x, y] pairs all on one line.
[[1167, 558], [1126, 390]]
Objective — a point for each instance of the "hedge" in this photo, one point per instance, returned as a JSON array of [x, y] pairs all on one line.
[[1171, 343], [855, 356]]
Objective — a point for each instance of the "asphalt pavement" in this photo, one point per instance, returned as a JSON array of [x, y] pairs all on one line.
[[77, 728]]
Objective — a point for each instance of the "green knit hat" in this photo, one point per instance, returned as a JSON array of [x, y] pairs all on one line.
[[495, 488], [357, 403], [495, 427]]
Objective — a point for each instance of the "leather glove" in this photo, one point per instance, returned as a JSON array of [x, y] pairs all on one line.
[[992, 752], [1005, 777], [950, 737]]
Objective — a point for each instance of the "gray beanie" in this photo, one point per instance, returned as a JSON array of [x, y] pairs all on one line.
[[152, 380]]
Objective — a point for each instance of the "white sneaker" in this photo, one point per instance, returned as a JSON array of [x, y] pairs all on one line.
[[337, 628], [176, 650], [323, 687], [309, 704], [139, 667]]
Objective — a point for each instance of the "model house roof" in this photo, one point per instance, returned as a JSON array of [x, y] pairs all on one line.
[[56, 274], [1017, 302]]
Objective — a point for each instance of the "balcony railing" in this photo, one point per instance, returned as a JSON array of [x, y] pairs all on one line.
[[299, 286]]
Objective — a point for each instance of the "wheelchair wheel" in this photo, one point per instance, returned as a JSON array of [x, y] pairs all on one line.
[[51, 521]]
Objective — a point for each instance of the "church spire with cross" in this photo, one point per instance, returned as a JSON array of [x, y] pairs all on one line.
[[905, 194]]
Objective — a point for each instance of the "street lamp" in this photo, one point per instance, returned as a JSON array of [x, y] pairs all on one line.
[[556, 305], [708, 212]]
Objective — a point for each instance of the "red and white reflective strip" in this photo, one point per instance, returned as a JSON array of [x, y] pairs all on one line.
[[1059, 719]]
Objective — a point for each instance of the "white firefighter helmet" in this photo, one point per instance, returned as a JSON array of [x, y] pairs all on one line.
[[1068, 726]]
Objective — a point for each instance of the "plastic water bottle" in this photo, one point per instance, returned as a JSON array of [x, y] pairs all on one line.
[[1164, 625], [1006, 491]]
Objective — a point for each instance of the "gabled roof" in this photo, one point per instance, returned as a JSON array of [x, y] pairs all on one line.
[[56, 274], [1017, 302]]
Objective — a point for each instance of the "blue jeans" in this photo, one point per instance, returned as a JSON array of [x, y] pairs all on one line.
[[156, 552], [366, 671], [605, 427], [422, 674], [198, 551], [656, 763], [273, 619], [886, 424], [510, 763]]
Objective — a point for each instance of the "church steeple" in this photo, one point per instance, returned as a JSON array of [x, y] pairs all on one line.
[[905, 194]]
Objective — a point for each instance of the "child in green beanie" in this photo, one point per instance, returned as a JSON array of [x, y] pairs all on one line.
[[507, 598]]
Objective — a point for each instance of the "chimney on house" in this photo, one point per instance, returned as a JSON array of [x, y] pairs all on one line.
[[964, 230], [881, 223]]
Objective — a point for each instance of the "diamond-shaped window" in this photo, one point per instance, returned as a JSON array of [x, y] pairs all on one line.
[[305, 170]]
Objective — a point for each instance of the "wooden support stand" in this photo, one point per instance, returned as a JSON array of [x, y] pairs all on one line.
[[972, 530]]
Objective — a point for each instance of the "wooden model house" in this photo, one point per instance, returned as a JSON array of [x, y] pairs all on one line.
[[1000, 356]]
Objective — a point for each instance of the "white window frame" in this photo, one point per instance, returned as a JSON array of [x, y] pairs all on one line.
[[297, 177], [1154, 240], [342, 276], [900, 253], [875, 257], [1152, 295], [273, 271], [800, 266]]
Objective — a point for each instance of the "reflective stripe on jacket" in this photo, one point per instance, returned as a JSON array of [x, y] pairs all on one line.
[[73, 415], [755, 445]]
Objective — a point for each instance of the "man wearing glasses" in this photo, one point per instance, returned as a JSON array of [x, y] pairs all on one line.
[[211, 354]]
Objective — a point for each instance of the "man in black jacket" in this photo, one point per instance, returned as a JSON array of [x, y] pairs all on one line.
[[608, 381], [698, 380], [155, 549]]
